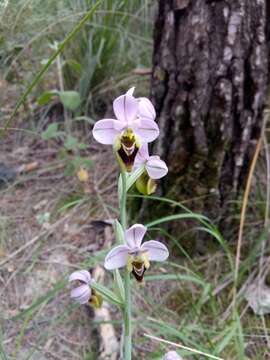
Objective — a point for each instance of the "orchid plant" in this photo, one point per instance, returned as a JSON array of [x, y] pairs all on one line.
[[129, 134]]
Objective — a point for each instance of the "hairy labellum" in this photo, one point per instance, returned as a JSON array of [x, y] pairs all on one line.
[[138, 270], [127, 157], [127, 149]]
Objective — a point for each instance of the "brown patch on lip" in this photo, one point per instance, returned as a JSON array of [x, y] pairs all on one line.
[[138, 270], [128, 159]]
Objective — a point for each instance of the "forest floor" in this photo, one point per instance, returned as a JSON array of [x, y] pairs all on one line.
[[52, 223]]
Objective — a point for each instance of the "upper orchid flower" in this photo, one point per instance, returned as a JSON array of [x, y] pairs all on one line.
[[134, 125], [83, 294], [146, 108], [135, 255], [172, 355]]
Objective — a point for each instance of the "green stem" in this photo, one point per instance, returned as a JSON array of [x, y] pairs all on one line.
[[127, 309], [123, 200]]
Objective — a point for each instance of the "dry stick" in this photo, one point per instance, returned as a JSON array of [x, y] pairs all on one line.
[[25, 246], [242, 290], [182, 347], [242, 218], [33, 240]]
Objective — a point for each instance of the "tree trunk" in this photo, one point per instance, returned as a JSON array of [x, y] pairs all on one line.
[[209, 84]]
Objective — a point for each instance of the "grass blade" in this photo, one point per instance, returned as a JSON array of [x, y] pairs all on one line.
[[40, 74]]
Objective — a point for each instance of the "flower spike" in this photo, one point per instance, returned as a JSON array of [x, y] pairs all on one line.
[[135, 255]]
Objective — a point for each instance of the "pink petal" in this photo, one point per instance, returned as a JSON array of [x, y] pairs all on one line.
[[81, 294], [81, 275], [142, 155], [156, 168], [156, 250], [125, 108], [130, 91], [172, 355], [106, 130], [134, 235], [146, 109], [147, 130], [117, 257]]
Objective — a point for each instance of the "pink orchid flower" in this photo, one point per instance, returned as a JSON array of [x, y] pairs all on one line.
[[133, 126], [154, 166], [172, 355], [145, 107], [82, 293], [130, 114], [135, 255]]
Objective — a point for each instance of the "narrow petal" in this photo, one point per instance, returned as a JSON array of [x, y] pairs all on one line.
[[81, 275], [130, 91], [156, 168], [146, 109], [81, 294], [134, 235], [125, 108], [117, 257], [142, 155], [106, 130], [156, 250], [147, 130]]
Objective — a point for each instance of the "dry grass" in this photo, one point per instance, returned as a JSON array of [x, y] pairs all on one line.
[[35, 256]]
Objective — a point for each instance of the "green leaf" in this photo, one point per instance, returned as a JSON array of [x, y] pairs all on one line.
[[71, 143], [131, 179], [70, 99], [119, 232], [179, 277], [45, 98], [74, 65], [86, 119], [176, 217], [51, 132], [119, 285], [107, 294], [82, 146]]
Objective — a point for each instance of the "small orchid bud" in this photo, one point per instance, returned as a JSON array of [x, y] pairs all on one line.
[[145, 185]]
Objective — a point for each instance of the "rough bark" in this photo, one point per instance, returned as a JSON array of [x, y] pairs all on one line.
[[209, 85]]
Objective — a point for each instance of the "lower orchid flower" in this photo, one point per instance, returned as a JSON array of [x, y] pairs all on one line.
[[134, 125], [134, 255], [155, 168], [83, 294]]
